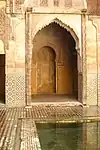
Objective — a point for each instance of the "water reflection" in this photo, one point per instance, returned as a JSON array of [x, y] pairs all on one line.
[[92, 136], [84, 136]]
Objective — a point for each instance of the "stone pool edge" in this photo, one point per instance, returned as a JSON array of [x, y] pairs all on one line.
[[29, 136]]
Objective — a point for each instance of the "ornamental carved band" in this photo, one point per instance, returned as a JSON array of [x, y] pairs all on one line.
[[5, 28], [18, 6]]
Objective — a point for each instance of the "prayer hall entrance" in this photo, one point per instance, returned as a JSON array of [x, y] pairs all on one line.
[[54, 64]]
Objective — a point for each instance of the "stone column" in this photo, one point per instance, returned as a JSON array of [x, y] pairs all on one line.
[[84, 68], [28, 56], [98, 55], [80, 75]]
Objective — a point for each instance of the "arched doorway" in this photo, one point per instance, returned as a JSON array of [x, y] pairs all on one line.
[[48, 77], [44, 71]]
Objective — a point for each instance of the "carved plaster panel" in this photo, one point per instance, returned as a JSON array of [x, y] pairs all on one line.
[[61, 22], [5, 27], [20, 6]]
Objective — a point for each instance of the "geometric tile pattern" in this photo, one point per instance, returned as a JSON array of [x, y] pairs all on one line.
[[10, 89], [18, 122], [15, 90]]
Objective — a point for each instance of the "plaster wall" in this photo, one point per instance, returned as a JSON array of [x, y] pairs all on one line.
[[91, 62]]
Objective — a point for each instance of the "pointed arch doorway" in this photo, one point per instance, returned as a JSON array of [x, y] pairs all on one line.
[[44, 71], [54, 63], [68, 59]]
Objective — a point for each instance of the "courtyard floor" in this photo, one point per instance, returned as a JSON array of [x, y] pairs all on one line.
[[18, 124]]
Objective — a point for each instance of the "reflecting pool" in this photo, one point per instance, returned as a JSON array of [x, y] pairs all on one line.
[[71, 136]]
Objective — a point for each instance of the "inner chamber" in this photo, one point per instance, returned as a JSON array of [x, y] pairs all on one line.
[[54, 62]]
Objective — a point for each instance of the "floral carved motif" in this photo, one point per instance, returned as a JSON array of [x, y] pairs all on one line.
[[43, 2], [5, 27], [2, 22], [18, 5], [56, 3], [14, 6]]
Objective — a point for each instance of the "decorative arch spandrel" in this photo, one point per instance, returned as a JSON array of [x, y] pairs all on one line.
[[42, 24]]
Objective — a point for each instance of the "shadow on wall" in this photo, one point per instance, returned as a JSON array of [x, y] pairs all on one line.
[[2, 78]]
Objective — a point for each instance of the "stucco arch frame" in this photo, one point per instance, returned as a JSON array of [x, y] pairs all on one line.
[[58, 21], [30, 46]]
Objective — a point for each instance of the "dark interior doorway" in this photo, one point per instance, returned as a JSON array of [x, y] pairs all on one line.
[[2, 78], [74, 65]]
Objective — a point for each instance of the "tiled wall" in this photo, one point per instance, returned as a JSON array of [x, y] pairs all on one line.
[[15, 90]]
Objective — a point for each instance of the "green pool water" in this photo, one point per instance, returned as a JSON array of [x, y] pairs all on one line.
[[84, 136]]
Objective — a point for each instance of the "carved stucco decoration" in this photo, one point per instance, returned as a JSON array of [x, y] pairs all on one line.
[[2, 23], [5, 28], [43, 2], [9, 6], [56, 3], [45, 23], [93, 7], [20, 6], [14, 6]]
